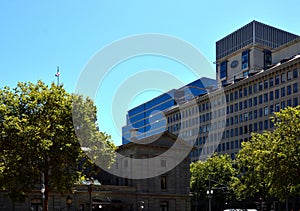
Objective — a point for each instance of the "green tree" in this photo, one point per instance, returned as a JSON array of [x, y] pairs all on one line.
[[38, 142], [217, 170], [270, 162]]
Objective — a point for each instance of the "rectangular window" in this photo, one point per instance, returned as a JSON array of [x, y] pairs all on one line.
[[271, 82], [241, 106], [236, 107], [236, 95], [245, 104], [236, 131], [245, 91], [255, 101], [255, 127], [260, 112], [260, 125], [250, 128], [250, 102], [241, 93], [245, 59], [250, 89], [277, 107], [289, 75], [260, 86], [266, 124], [266, 84], [246, 116], [289, 102], [163, 182], [255, 88], [295, 101], [255, 114], [276, 93], [223, 69], [289, 90], [283, 104], [266, 111], [266, 97], [282, 77], [282, 91], [295, 87], [271, 109], [277, 79], [250, 115], [260, 99], [295, 73], [271, 95]]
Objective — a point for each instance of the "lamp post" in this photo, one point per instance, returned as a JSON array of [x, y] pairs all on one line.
[[90, 184], [69, 202], [209, 193]]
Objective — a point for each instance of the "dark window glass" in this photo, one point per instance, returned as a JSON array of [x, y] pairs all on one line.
[[245, 104], [260, 125], [255, 88], [271, 82], [295, 101], [276, 93], [223, 69], [241, 105], [245, 59], [289, 102], [245, 91], [250, 115], [255, 101], [260, 112], [271, 95], [266, 124], [250, 102], [271, 109], [266, 84], [250, 89], [266, 97], [241, 93], [255, 114], [295, 87], [289, 90], [260, 99], [277, 79], [236, 95], [260, 87], [289, 75], [282, 91], [295, 73]]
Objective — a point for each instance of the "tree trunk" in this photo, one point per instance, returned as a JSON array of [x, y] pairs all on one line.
[[46, 194]]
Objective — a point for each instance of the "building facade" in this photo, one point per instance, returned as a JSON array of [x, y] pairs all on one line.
[[148, 119], [221, 120]]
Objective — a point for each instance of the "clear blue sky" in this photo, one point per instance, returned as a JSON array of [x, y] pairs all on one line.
[[37, 36]]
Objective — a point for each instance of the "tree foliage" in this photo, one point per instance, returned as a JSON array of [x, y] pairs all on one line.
[[270, 162], [38, 138], [217, 169]]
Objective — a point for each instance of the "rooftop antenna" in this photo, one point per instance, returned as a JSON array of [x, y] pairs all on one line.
[[57, 75]]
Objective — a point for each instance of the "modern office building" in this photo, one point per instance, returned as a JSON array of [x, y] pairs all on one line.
[[148, 119], [248, 94]]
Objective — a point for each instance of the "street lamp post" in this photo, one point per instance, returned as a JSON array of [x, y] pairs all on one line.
[[209, 193], [90, 189]]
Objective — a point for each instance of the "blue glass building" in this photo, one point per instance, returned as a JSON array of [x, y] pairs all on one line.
[[148, 118]]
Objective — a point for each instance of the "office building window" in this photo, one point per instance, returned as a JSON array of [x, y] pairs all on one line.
[[260, 99], [250, 115], [255, 101], [289, 102], [282, 77], [266, 83], [255, 127], [289, 75], [236, 107], [163, 182], [245, 60], [260, 86], [283, 104], [236, 144], [295, 101], [255, 114], [295, 87], [163, 206], [282, 91], [266, 111], [255, 88], [266, 124], [241, 93], [295, 73], [260, 112], [271, 123], [266, 97], [277, 79], [250, 102], [245, 116], [271, 109], [241, 118], [245, 91], [289, 90], [277, 107], [236, 131], [223, 69], [241, 130], [241, 105], [271, 95], [236, 95], [250, 89], [245, 104], [250, 128], [260, 125], [267, 58], [276, 93], [271, 82]]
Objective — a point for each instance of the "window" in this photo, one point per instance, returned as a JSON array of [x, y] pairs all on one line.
[[289, 75], [223, 69], [271, 95], [255, 114], [241, 105], [163, 206], [289, 90], [250, 89], [266, 97], [266, 84], [283, 104], [267, 58], [266, 111], [295, 101], [255, 101], [241, 93], [163, 182], [260, 99], [276, 93], [245, 104], [266, 124], [245, 92], [255, 127], [277, 79], [241, 130], [255, 88], [271, 109], [277, 107], [245, 60], [282, 91], [295, 87], [271, 82], [289, 102], [260, 112], [250, 102], [295, 73], [250, 128], [282, 77], [250, 115], [260, 86], [236, 107], [236, 95], [260, 125]]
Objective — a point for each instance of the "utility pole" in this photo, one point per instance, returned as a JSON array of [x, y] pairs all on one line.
[[57, 75]]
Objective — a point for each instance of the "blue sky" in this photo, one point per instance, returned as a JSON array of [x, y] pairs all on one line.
[[38, 36]]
